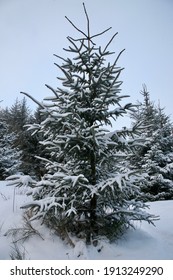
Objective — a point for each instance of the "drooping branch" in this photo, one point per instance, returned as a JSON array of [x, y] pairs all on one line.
[[33, 99], [53, 90], [65, 72], [60, 57]]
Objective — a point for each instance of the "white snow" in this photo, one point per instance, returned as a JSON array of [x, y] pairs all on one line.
[[146, 242]]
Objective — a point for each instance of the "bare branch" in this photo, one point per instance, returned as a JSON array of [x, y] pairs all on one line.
[[110, 41], [88, 37], [117, 58], [77, 40], [60, 57], [75, 26], [84, 39], [98, 34], [81, 41], [88, 23]]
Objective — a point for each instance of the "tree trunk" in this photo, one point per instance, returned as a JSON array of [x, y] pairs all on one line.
[[93, 203]]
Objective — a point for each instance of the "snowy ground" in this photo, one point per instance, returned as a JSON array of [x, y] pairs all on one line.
[[146, 242]]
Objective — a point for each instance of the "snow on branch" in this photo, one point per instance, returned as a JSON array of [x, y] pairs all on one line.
[[20, 180], [118, 180], [75, 179]]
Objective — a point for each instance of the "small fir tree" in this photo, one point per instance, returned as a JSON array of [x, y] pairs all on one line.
[[158, 163], [156, 156], [17, 117], [9, 155], [88, 187]]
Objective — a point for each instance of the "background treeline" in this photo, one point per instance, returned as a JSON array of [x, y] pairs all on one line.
[[20, 150]]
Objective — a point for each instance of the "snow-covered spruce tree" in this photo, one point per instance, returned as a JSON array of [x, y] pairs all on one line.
[[17, 117], [146, 113], [156, 156], [88, 187], [9, 155], [158, 163]]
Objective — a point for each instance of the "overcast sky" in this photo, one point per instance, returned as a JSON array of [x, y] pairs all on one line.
[[31, 31]]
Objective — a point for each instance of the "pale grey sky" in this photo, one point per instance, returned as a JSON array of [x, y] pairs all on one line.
[[31, 31]]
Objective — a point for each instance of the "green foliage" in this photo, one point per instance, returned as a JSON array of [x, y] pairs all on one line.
[[87, 185], [17, 146], [156, 156], [9, 154]]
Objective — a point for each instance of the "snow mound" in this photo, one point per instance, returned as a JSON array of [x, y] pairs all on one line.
[[144, 243]]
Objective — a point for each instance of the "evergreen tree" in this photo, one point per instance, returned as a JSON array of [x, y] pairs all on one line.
[[88, 186], [34, 150], [158, 162], [146, 114], [156, 156], [9, 155], [17, 117]]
